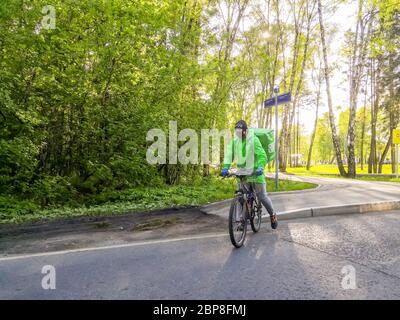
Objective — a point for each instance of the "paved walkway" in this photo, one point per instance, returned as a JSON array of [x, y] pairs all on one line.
[[332, 192]]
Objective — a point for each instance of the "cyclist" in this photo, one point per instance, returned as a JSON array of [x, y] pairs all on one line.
[[246, 148]]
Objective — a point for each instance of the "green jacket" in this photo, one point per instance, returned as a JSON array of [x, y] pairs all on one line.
[[247, 153]]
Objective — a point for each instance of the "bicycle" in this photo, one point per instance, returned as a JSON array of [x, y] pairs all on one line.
[[245, 207]]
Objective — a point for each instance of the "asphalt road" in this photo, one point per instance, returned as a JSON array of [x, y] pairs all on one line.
[[303, 259], [332, 192]]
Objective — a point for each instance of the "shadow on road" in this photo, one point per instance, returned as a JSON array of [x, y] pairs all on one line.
[[258, 265]]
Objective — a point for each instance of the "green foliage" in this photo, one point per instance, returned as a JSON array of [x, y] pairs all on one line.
[[323, 140], [76, 101], [13, 209]]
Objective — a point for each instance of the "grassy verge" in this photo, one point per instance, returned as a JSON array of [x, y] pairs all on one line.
[[14, 210], [387, 179], [333, 171], [315, 170]]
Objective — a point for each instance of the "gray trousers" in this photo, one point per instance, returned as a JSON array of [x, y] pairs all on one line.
[[262, 195]]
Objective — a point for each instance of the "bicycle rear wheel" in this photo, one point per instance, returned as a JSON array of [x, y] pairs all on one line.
[[237, 222]]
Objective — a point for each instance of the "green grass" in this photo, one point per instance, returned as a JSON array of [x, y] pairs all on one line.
[[14, 210], [333, 171], [315, 170], [387, 179]]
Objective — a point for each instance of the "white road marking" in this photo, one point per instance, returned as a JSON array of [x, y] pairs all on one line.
[[127, 245]]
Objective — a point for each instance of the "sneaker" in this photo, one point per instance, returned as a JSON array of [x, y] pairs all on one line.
[[274, 221]]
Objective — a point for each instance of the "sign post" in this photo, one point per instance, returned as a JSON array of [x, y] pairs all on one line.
[[396, 141], [283, 98]]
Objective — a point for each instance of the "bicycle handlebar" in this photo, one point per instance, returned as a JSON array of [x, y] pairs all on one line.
[[241, 173]]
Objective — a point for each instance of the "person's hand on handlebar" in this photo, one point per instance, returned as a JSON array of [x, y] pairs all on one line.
[[259, 172], [224, 172]]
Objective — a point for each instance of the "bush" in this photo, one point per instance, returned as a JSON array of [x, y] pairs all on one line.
[[54, 191], [13, 209]]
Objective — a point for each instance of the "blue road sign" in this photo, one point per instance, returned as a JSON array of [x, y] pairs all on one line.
[[269, 103], [283, 98]]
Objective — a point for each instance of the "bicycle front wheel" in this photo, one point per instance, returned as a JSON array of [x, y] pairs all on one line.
[[255, 220], [237, 222]]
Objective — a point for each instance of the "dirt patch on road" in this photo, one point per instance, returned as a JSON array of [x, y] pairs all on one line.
[[84, 232], [156, 224]]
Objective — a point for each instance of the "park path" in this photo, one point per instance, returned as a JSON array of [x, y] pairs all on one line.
[[331, 192]]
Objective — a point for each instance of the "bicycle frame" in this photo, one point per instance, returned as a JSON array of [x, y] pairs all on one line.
[[246, 193]]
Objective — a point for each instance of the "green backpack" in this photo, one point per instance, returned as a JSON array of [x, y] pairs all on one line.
[[267, 139]]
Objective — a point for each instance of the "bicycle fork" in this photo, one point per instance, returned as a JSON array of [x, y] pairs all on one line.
[[245, 206]]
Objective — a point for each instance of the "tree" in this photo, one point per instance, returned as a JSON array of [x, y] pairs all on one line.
[[358, 53], [335, 140], [317, 83]]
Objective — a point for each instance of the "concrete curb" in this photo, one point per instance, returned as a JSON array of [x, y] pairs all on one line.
[[338, 210], [294, 214]]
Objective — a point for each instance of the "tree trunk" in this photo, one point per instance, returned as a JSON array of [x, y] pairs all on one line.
[[335, 139], [372, 163], [315, 124], [363, 124], [385, 152], [357, 63]]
